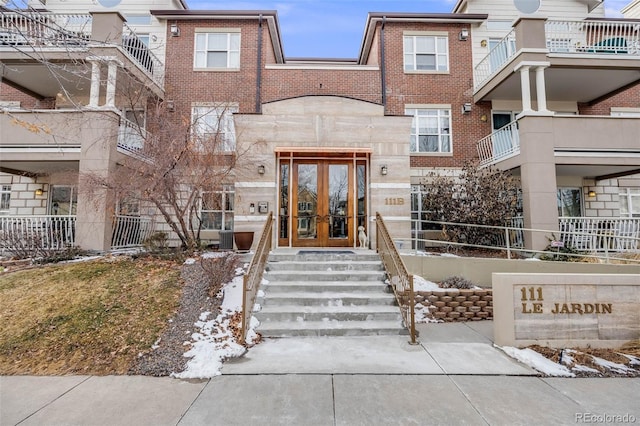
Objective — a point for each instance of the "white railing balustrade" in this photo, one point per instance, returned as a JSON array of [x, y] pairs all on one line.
[[610, 37], [503, 143], [499, 55], [131, 137], [598, 234], [130, 231], [44, 29], [43, 232], [140, 53]]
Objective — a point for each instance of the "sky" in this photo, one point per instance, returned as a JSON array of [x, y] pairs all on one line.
[[334, 28]]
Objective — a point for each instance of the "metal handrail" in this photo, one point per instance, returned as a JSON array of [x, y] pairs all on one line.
[[253, 277], [401, 281]]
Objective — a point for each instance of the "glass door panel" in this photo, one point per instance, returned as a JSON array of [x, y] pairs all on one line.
[[338, 200], [306, 205]]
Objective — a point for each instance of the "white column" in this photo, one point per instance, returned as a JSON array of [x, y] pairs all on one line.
[[94, 94], [111, 84], [526, 89], [541, 90]]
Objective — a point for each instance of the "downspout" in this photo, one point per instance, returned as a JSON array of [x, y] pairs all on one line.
[[382, 66], [259, 68]]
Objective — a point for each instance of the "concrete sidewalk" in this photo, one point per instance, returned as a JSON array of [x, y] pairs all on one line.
[[455, 376]]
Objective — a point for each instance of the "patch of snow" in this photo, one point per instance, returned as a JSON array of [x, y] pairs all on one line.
[[448, 255], [213, 254], [584, 369], [260, 293], [213, 342], [421, 284], [256, 307], [83, 259], [189, 261], [535, 259], [539, 362], [613, 366], [633, 360]]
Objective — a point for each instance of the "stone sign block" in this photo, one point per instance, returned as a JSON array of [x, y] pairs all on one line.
[[566, 310]]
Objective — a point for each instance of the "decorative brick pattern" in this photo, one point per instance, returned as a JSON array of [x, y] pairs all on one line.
[[458, 305]]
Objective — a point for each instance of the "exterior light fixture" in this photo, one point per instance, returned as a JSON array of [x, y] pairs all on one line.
[[483, 43], [466, 108], [171, 106], [39, 191], [464, 34], [383, 170], [591, 193], [261, 169], [483, 118], [175, 31]]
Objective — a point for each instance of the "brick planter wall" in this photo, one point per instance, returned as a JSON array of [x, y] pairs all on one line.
[[458, 305]]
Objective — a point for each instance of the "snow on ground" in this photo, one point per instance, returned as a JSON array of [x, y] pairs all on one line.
[[214, 342], [538, 361], [421, 284]]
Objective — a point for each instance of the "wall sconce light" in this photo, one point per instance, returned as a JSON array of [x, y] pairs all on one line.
[[464, 34], [483, 43], [171, 106], [484, 118], [39, 191], [466, 108], [591, 193], [261, 169], [383, 170], [175, 31]]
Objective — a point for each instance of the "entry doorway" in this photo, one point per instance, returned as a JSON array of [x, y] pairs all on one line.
[[322, 201]]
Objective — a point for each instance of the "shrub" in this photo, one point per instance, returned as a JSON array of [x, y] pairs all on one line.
[[457, 282], [219, 270]]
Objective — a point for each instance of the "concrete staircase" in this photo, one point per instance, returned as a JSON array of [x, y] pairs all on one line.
[[326, 293]]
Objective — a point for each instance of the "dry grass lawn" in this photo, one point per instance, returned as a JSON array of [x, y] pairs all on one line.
[[91, 317]]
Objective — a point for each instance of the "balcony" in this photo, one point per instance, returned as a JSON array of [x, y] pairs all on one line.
[[582, 145], [63, 43], [573, 54]]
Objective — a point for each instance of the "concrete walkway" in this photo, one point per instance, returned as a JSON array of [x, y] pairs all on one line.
[[454, 376]]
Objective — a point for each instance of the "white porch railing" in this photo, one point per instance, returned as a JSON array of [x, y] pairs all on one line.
[[599, 234], [610, 37], [499, 145], [45, 232], [499, 55], [131, 137], [140, 53], [130, 231], [44, 29]]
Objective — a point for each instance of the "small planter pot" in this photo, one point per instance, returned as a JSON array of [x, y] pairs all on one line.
[[243, 240]]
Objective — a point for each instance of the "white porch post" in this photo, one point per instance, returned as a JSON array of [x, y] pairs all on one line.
[[111, 84], [526, 89], [541, 90], [94, 93]]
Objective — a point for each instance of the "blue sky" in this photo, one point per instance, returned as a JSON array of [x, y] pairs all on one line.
[[333, 28]]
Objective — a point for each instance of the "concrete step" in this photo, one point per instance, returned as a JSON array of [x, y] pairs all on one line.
[[327, 266], [330, 328], [301, 276], [309, 298], [270, 314], [326, 286], [324, 256]]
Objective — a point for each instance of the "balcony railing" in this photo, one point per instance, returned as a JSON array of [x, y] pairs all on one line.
[[37, 234], [45, 29], [131, 137], [598, 234], [501, 144], [130, 231], [499, 55], [609, 37]]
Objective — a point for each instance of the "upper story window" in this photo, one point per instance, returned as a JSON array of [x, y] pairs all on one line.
[[219, 50], [430, 130], [426, 53], [216, 209], [213, 127]]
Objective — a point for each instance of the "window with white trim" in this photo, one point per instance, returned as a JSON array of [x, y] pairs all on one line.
[[217, 50], [216, 209], [430, 130], [64, 200], [5, 198], [630, 202], [426, 53], [213, 127], [569, 202]]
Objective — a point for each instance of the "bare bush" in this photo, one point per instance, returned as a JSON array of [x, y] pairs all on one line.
[[456, 282], [219, 270], [481, 196]]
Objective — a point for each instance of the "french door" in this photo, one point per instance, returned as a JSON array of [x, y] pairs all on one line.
[[322, 203]]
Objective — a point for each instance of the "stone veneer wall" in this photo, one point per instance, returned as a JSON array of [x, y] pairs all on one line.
[[458, 305]]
